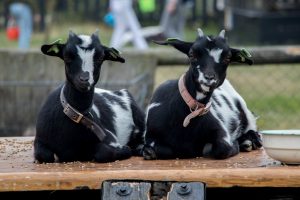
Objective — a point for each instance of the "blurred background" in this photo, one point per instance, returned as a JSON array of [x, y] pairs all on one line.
[[269, 29]]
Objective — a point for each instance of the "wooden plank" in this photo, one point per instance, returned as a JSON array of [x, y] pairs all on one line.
[[18, 172]]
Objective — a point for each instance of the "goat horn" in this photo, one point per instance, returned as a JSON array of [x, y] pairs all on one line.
[[200, 32], [222, 34], [71, 34], [96, 33]]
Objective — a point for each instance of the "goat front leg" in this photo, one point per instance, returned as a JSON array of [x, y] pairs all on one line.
[[154, 150], [42, 153], [107, 153], [222, 147], [251, 140]]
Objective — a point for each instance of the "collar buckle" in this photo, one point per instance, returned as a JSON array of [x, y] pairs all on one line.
[[73, 114]]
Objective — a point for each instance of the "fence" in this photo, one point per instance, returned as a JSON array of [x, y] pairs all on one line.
[[271, 91]]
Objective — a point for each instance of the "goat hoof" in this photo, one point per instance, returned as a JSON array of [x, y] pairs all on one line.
[[257, 141], [246, 146], [149, 153]]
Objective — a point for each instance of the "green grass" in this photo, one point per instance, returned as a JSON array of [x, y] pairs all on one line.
[[272, 92]]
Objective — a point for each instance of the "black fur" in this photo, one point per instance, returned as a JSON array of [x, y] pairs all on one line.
[[58, 136], [167, 138]]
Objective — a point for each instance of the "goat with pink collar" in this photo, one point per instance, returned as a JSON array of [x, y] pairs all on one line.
[[201, 114]]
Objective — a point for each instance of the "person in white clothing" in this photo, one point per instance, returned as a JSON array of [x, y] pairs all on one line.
[[126, 20]]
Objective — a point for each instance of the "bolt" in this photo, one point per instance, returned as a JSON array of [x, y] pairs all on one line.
[[123, 190], [184, 189]]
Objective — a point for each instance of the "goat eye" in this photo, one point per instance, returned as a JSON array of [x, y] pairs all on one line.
[[227, 59], [192, 57], [67, 59], [99, 60]]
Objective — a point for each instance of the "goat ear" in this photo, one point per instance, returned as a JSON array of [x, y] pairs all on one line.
[[113, 55], [241, 56], [53, 49], [182, 46]]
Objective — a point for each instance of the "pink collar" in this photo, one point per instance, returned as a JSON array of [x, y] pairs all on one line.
[[196, 108]]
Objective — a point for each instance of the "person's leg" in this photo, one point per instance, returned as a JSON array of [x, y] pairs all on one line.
[[134, 26], [23, 16], [165, 23], [119, 31], [26, 28], [169, 21], [181, 15], [119, 26]]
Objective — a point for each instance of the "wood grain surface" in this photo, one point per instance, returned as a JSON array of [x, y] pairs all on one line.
[[18, 172]]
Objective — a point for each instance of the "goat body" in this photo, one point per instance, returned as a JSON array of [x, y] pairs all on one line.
[[229, 125], [58, 137]]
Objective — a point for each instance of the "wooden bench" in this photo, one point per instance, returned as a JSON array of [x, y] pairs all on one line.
[[18, 172]]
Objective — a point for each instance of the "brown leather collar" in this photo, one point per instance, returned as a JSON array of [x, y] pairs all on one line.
[[79, 118], [196, 108]]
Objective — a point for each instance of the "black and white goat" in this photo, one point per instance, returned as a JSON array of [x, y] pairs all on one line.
[[79, 122], [200, 114]]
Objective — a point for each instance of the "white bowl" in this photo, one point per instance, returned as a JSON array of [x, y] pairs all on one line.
[[282, 145]]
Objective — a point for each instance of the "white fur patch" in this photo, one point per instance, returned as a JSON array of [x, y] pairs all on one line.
[[86, 40], [234, 95], [100, 91], [123, 121], [201, 76], [200, 96], [152, 144], [87, 58], [149, 107], [215, 54], [96, 110], [115, 145], [152, 105], [230, 113]]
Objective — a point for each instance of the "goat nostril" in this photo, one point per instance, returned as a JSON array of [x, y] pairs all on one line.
[[209, 76], [84, 77]]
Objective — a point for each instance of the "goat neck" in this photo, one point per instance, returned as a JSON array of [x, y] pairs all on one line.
[[82, 101]]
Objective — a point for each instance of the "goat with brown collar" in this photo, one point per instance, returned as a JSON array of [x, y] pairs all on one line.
[[79, 122]]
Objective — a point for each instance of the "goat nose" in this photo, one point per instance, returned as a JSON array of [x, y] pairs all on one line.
[[209, 76], [84, 77]]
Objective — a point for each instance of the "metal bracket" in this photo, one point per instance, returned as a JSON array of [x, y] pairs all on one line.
[[125, 190], [141, 191], [187, 191]]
